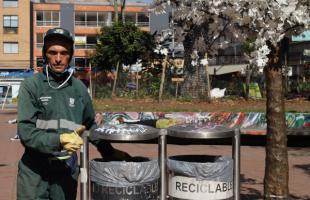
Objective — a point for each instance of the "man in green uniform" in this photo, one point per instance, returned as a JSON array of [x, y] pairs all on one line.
[[51, 106]]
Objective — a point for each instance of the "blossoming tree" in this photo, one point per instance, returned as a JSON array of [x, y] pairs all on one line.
[[201, 26], [270, 23], [273, 22]]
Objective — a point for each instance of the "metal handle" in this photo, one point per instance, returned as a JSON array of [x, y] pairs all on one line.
[[236, 156], [84, 176], [162, 163]]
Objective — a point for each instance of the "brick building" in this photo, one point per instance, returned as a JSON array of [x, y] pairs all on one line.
[[83, 18], [15, 35]]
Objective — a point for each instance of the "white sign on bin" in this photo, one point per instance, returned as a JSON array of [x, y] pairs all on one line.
[[191, 188]]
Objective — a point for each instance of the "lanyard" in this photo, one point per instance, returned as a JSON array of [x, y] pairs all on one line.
[[58, 87]]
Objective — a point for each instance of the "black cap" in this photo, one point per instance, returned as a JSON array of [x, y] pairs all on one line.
[[57, 33]]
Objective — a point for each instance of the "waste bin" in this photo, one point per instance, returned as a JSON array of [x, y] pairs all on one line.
[[137, 179], [196, 177]]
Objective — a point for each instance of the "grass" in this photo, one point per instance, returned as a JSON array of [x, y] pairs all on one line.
[[173, 105]]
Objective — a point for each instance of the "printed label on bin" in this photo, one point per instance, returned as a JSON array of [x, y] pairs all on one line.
[[146, 191], [191, 188]]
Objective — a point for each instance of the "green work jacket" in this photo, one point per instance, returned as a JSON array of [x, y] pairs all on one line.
[[44, 112]]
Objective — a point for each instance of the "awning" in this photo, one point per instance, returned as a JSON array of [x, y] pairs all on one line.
[[14, 67], [225, 69], [16, 74]]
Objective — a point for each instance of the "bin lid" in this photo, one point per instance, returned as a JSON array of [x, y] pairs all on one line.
[[126, 132], [200, 131]]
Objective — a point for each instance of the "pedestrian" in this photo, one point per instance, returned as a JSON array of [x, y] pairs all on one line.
[[52, 104], [16, 137], [99, 119]]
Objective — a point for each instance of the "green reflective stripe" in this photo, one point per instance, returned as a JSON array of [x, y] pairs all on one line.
[[46, 124], [68, 124]]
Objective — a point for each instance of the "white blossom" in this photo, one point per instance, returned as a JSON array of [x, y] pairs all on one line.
[[164, 51], [194, 63], [204, 61]]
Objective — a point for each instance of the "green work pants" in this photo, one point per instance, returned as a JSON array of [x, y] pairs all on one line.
[[44, 179]]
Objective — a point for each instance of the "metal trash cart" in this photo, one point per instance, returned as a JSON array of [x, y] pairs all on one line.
[[122, 132], [207, 131]]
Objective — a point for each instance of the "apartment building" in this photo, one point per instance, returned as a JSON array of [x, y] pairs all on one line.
[[83, 18], [15, 35]]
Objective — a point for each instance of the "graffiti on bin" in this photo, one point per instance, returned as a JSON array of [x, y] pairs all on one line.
[[250, 122], [123, 129]]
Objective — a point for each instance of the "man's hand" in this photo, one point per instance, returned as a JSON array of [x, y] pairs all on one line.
[[72, 141]]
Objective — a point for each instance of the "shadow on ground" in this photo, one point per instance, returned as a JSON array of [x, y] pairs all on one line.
[[305, 168], [248, 192], [292, 196]]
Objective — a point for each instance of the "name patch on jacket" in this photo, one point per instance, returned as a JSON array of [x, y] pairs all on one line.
[[45, 100]]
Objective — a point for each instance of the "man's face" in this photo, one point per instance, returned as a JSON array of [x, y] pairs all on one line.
[[58, 55]]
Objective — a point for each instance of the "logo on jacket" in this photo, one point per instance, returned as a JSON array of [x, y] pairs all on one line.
[[45, 100], [71, 102]]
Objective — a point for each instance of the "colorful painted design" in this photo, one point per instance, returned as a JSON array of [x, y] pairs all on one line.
[[253, 123]]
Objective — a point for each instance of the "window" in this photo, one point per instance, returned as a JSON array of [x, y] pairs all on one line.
[[91, 18], [10, 23], [130, 17], [143, 19], [103, 18], [80, 18], [39, 62], [10, 3], [48, 18], [81, 63], [85, 41], [40, 42], [10, 47]]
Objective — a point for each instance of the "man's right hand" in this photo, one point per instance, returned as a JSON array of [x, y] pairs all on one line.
[[72, 141]]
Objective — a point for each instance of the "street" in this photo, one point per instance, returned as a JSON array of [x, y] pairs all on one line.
[[252, 162]]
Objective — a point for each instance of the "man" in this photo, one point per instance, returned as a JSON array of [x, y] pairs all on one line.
[[51, 106]]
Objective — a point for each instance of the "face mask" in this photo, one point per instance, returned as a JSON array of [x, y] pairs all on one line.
[[69, 70]]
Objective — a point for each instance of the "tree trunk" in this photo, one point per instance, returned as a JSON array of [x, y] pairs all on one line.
[[137, 84], [194, 84], [115, 79], [162, 80], [123, 5], [208, 81], [115, 11], [276, 169]]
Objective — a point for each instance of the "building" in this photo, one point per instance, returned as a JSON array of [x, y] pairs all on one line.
[[15, 46], [83, 18], [15, 31]]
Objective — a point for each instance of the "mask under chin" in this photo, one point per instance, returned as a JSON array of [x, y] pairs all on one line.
[[61, 75]]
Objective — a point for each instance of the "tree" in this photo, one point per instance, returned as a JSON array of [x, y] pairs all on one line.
[[248, 47], [201, 25], [121, 44], [123, 5], [270, 21]]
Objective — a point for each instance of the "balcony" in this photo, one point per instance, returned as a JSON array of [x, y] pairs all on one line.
[[48, 23]]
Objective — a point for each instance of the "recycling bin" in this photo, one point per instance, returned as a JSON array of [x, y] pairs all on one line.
[[193, 177], [200, 177], [133, 179]]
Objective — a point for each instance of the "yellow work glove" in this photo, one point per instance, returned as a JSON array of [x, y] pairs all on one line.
[[72, 141]]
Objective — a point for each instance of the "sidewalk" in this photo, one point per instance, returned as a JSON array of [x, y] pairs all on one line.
[[252, 162]]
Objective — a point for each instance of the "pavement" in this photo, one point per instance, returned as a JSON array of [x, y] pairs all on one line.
[[252, 161]]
